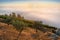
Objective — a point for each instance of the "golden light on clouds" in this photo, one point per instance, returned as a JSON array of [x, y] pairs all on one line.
[[32, 6], [47, 11]]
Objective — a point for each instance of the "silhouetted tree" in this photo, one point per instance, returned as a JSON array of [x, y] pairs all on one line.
[[10, 15], [18, 15], [6, 15], [13, 14]]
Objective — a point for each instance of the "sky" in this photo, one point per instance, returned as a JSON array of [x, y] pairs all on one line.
[[46, 10]]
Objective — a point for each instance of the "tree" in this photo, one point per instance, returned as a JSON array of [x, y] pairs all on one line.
[[6, 15], [13, 14], [18, 15], [19, 25], [10, 15]]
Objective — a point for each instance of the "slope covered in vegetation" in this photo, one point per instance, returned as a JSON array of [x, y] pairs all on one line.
[[19, 28], [20, 22]]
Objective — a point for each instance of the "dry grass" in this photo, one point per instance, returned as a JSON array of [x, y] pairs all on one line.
[[8, 32]]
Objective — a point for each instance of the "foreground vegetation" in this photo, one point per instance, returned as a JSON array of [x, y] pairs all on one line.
[[20, 24]]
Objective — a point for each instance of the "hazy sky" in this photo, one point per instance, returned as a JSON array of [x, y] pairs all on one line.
[[45, 10]]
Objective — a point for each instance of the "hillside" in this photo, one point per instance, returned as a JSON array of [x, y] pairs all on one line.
[[8, 32], [14, 27]]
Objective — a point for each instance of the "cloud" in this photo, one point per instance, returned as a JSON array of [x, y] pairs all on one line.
[[49, 13]]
